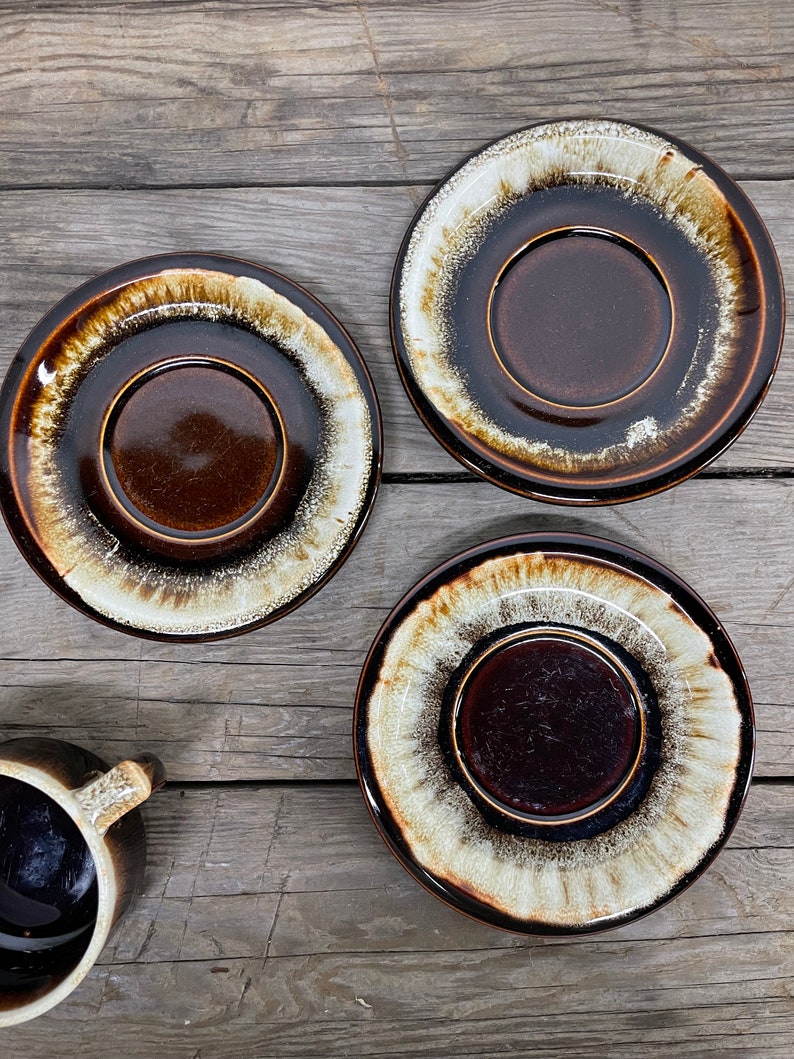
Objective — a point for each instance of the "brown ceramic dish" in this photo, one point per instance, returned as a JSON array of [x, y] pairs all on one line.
[[554, 734], [587, 311], [190, 446]]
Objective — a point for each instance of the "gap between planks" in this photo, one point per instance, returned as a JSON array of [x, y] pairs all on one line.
[[351, 782], [738, 176]]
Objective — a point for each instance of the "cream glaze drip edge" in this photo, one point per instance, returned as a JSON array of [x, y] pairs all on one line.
[[457, 218], [567, 884], [184, 602]]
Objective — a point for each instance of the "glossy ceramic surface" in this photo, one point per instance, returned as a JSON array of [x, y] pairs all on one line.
[[72, 854], [190, 446], [553, 733], [48, 889], [587, 311]]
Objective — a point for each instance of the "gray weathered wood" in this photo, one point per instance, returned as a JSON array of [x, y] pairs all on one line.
[[268, 92], [267, 909], [273, 922], [277, 702], [341, 243]]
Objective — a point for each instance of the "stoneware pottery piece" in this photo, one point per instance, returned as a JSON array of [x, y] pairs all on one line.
[[586, 311], [553, 734], [72, 853], [189, 446]]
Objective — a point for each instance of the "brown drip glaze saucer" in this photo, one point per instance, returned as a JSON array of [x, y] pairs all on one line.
[[586, 311], [191, 446], [553, 734]]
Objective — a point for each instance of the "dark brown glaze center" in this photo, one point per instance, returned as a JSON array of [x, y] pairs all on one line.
[[580, 317], [193, 447], [547, 725]]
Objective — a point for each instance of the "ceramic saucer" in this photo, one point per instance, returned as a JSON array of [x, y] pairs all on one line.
[[190, 446], [554, 734], [586, 311]]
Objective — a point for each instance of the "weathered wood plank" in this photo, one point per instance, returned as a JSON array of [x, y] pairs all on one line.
[[273, 921], [207, 93], [316, 844], [208, 722], [276, 703], [214, 721], [272, 913], [755, 1028], [188, 94], [506, 64], [341, 243]]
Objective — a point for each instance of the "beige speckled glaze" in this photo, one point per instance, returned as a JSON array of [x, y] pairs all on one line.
[[456, 223], [165, 599], [540, 884]]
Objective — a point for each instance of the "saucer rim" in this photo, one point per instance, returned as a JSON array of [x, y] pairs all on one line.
[[115, 278], [580, 545], [554, 488]]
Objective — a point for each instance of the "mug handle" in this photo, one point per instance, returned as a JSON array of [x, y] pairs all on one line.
[[107, 798]]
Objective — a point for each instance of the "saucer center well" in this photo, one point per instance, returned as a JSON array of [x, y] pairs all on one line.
[[580, 317], [193, 447], [547, 725]]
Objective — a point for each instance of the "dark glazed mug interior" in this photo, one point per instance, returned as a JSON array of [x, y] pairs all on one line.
[[50, 900], [48, 891]]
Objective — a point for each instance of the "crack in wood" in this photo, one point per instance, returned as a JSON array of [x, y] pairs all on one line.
[[385, 94], [704, 46], [495, 952], [778, 599]]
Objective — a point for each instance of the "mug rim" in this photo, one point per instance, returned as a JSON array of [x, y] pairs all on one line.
[[107, 890]]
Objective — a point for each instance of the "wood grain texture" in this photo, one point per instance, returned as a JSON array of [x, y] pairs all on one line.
[[340, 243], [268, 910], [273, 922], [276, 703], [140, 94]]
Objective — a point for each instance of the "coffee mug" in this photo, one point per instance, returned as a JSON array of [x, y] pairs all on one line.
[[72, 853]]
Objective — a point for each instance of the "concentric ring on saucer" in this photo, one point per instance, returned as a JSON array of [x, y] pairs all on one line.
[[266, 404], [582, 873]]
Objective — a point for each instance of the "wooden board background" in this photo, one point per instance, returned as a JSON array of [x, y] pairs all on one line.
[[272, 921]]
